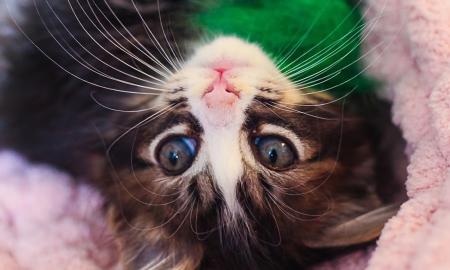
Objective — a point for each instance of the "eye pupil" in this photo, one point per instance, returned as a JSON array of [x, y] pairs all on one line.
[[173, 158], [273, 156]]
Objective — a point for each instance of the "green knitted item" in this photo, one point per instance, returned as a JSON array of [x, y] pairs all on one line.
[[327, 34]]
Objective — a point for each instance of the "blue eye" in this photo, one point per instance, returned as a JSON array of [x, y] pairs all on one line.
[[176, 154], [274, 152]]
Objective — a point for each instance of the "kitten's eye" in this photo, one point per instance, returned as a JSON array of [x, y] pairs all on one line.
[[274, 152], [176, 154]]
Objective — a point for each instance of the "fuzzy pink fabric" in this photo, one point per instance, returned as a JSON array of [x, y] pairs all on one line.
[[416, 68], [47, 222], [415, 64]]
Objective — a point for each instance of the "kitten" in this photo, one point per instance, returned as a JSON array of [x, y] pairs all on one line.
[[214, 158]]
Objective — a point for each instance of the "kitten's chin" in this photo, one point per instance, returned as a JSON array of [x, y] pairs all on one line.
[[222, 117]]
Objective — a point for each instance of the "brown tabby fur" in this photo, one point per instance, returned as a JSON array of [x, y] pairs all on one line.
[[50, 116]]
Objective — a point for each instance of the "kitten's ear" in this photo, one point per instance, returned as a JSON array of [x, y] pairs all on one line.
[[358, 230]]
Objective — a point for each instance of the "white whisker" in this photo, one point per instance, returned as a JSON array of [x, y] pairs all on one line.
[[184, 219], [329, 35], [156, 264], [371, 28], [325, 38], [165, 36], [119, 110], [153, 38], [316, 82], [327, 53], [281, 61], [65, 69], [105, 33], [148, 119], [338, 152], [177, 47], [288, 109], [117, 44], [108, 52], [84, 63], [359, 73], [321, 104], [372, 25], [141, 47]]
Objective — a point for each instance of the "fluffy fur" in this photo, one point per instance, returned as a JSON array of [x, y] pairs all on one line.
[[103, 123]]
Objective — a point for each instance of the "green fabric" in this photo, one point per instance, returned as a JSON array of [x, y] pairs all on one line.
[[320, 27]]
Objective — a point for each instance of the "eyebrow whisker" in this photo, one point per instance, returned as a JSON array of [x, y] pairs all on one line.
[[321, 104], [289, 109], [120, 110]]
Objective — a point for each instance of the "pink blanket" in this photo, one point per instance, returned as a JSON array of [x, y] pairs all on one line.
[[416, 67], [417, 70], [46, 222]]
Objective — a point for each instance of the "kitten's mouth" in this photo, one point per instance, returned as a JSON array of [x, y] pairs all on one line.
[[221, 93], [220, 96], [220, 100]]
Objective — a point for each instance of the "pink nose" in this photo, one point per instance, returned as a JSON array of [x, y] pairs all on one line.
[[220, 95]]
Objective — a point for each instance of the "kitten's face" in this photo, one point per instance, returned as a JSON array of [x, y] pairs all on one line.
[[217, 87], [240, 151]]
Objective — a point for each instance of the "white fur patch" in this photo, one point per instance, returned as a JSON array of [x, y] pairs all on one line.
[[224, 155]]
